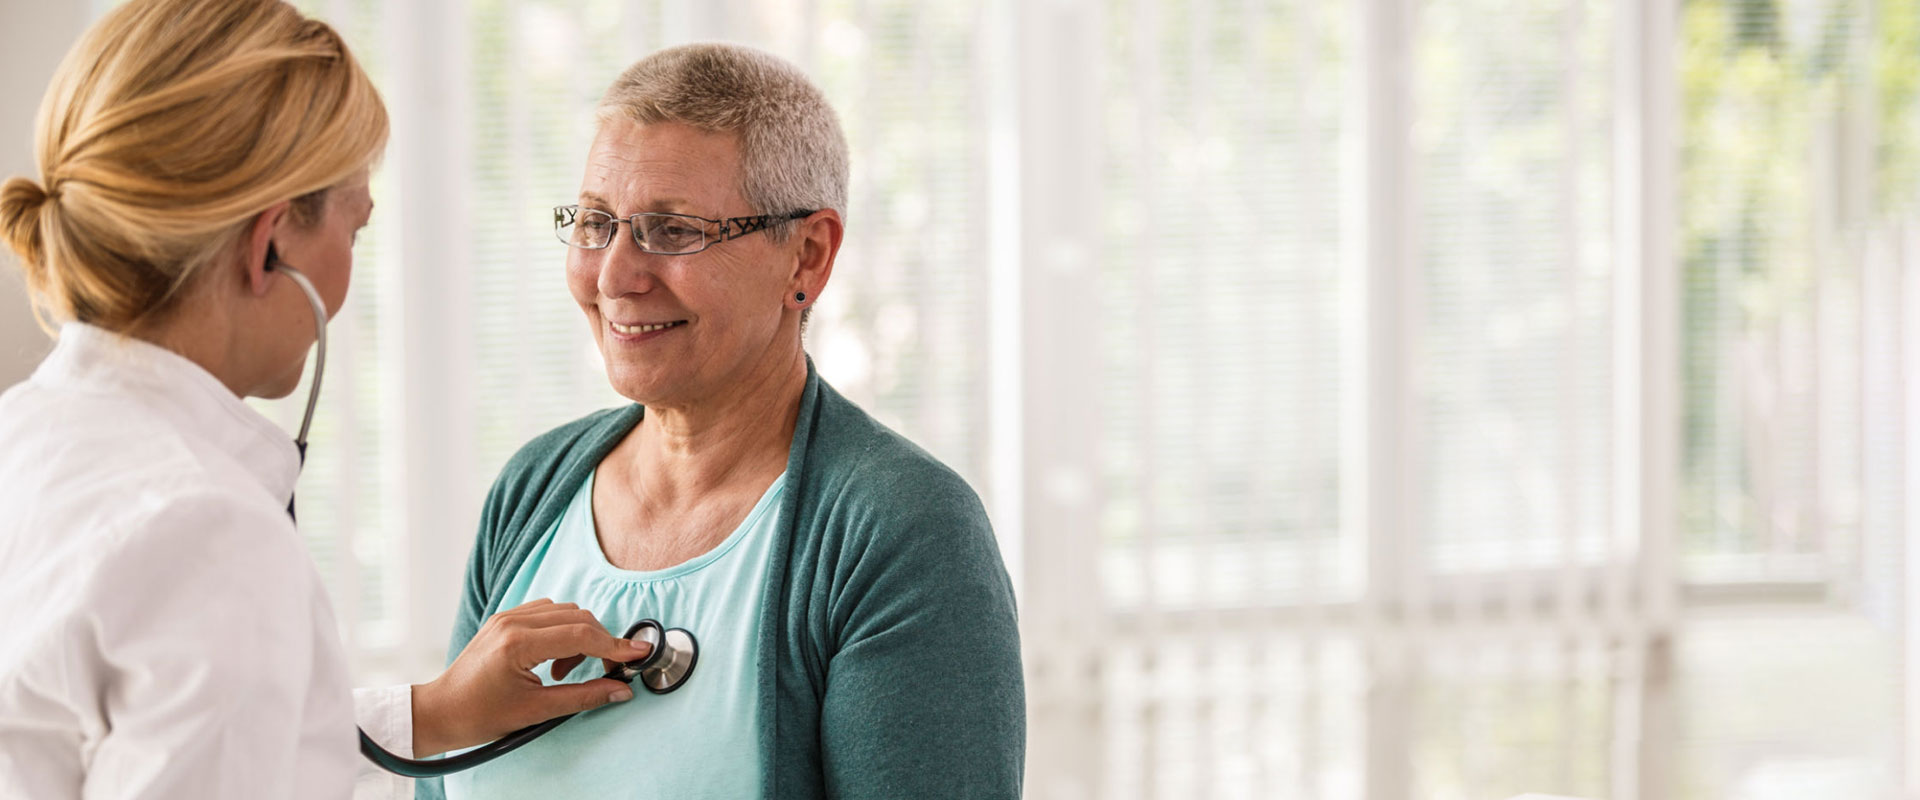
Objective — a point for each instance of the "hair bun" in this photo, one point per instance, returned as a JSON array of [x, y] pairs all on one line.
[[21, 201]]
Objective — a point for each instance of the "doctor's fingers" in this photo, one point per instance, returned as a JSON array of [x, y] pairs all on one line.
[[530, 645], [534, 607], [530, 616], [572, 698], [561, 618], [548, 617]]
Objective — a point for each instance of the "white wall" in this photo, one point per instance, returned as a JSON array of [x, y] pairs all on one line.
[[33, 37]]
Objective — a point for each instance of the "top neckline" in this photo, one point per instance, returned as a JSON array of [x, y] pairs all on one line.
[[582, 504]]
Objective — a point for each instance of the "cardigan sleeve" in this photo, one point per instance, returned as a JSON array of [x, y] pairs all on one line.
[[924, 695]]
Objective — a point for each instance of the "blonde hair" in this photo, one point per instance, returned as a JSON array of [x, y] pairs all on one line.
[[793, 156], [167, 129]]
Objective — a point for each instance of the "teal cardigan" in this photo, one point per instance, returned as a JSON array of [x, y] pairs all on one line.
[[889, 652]]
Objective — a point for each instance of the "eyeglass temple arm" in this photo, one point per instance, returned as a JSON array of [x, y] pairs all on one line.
[[736, 227]]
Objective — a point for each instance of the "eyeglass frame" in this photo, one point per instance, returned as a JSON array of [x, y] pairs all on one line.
[[730, 228]]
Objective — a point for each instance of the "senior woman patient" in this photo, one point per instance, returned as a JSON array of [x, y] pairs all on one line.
[[856, 623]]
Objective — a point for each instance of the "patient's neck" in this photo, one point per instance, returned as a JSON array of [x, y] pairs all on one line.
[[743, 434]]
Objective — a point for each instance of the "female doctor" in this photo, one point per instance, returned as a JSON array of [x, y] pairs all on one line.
[[166, 634]]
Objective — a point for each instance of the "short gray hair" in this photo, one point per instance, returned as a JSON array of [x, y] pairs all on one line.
[[793, 156]]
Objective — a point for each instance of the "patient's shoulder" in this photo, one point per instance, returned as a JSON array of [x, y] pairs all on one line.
[[877, 477]]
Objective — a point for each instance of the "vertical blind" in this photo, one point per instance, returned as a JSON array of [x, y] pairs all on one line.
[[1513, 180], [1219, 344]]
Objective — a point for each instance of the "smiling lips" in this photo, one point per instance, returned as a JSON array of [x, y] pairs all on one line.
[[631, 330]]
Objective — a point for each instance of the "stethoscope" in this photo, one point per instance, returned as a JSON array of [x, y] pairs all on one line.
[[674, 651]]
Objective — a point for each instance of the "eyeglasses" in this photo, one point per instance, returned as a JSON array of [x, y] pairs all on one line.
[[662, 234]]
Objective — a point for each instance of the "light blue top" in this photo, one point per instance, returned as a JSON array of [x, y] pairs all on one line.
[[882, 560], [700, 741]]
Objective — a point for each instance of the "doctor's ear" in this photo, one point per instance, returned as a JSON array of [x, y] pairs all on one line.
[[258, 254]]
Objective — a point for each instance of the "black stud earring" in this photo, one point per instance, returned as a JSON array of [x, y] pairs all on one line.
[[799, 297]]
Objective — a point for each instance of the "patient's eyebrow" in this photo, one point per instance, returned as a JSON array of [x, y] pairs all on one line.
[[660, 205]]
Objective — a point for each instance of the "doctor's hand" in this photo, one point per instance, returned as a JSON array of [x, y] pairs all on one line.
[[491, 689]]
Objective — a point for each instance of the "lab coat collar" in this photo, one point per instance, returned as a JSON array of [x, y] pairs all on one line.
[[201, 407]]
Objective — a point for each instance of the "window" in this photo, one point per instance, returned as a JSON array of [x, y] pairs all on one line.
[[1302, 351]]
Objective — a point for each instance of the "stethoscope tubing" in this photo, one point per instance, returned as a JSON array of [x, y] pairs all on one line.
[[320, 345], [664, 656], [438, 767]]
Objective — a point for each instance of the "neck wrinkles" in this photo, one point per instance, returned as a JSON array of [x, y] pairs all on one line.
[[689, 450]]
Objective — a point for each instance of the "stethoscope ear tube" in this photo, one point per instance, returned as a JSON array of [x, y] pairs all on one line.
[[320, 358], [320, 341], [675, 653]]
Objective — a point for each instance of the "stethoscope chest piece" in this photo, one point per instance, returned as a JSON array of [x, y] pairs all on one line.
[[675, 654]]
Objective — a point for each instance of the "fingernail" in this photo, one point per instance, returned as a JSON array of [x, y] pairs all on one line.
[[620, 696], [638, 645]]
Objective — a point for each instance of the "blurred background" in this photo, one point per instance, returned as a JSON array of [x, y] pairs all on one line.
[[1375, 398]]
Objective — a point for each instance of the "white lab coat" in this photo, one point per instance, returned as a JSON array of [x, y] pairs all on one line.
[[163, 632]]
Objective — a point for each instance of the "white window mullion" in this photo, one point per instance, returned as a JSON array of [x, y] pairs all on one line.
[[1883, 429], [1197, 708], [1570, 407], [1375, 485], [1646, 397], [1060, 50], [1006, 428], [429, 150], [1902, 250], [1138, 759]]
